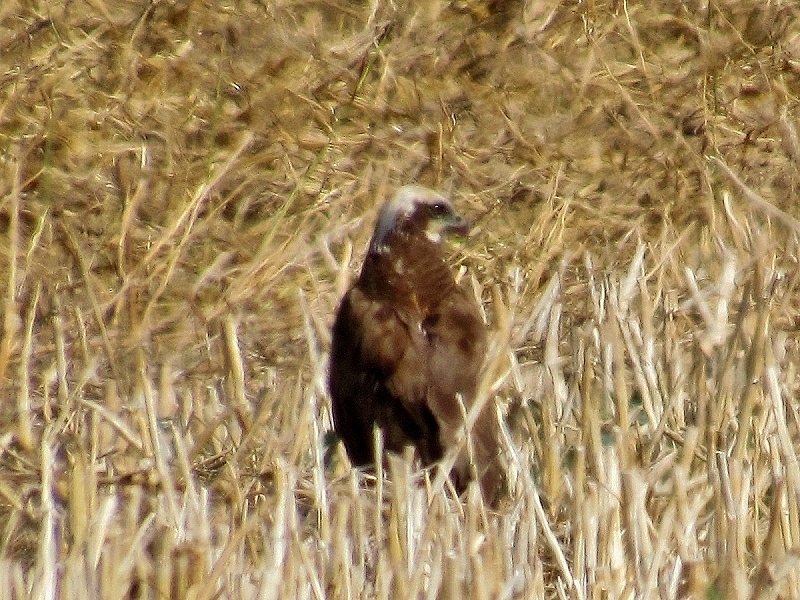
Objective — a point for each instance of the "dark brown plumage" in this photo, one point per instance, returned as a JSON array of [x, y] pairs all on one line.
[[408, 342]]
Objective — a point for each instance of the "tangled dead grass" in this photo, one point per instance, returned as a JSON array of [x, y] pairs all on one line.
[[187, 188]]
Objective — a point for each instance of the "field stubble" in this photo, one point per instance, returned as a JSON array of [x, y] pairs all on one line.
[[187, 190]]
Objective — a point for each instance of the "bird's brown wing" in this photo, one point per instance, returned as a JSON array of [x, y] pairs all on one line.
[[458, 344], [457, 338], [379, 376]]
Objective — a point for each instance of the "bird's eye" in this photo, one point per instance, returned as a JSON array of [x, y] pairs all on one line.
[[439, 209]]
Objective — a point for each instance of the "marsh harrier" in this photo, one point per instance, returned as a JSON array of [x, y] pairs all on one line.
[[408, 345]]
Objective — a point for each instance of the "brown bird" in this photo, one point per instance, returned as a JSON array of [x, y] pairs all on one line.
[[408, 345]]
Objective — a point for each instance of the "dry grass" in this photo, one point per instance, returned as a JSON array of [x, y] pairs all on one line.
[[186, 189]]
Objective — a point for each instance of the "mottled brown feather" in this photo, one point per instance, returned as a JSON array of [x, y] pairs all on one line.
[[407, 343]]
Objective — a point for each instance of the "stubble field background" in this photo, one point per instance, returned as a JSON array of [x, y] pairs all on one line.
[[187, 189]]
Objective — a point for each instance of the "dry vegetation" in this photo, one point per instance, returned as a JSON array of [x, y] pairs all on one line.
[[187, 188]]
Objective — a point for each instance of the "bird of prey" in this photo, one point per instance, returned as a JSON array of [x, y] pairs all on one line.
[[408, 344]]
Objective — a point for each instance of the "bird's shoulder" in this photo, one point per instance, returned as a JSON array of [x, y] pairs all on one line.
[[384, 331], [455, 315]]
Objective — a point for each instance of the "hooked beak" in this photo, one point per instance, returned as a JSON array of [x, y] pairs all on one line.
[[458, 225]]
